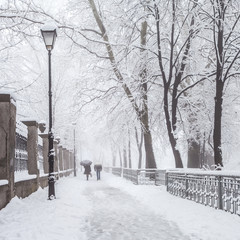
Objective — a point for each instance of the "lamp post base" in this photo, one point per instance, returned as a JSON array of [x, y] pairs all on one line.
[[51, 189]]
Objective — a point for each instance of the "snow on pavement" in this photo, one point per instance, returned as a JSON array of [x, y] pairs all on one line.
[[112, 209], [117, 215]]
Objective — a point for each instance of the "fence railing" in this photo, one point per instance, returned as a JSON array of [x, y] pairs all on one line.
[[131, 174], [214, 190], [140, 176], [21, 154], [117, 171]]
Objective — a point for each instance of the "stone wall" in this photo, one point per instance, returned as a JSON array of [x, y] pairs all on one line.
[[4, 199], [25, 188], [9, 188]]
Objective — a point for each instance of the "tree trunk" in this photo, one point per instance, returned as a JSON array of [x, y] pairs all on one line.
[[114, 155], [193, 154], [218, 125], [150, 158], [114, 160], [139, 146], [120, 158], [129, 150], [219, 86], [124, 157], [173, 142]]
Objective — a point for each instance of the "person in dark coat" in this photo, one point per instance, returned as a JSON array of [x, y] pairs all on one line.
[[98, 169], [87, 171]]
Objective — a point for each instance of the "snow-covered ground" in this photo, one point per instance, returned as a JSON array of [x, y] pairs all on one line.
[[112, 209]]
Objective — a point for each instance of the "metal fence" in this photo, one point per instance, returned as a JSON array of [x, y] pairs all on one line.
[[214, 190], [117, 171], [130, 174], [21, 155], [140, 176], [107, 169]]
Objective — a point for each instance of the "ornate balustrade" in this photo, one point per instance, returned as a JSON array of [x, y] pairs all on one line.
[[21, 152], [211, 189], [131, 174], [140, 176], [117, 171], [146, 176]]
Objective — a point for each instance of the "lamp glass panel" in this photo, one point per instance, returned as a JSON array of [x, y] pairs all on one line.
[[48, 38]]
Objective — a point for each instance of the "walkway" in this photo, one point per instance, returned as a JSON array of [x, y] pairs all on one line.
[[116, 215], [112, 209]]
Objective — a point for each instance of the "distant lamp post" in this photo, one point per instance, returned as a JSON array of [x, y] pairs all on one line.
[[74, 151], [49, 33]]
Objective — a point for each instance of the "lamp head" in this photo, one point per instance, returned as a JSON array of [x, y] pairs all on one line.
[[49, 33]]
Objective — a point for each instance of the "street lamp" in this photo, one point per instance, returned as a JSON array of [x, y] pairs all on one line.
[[49, 33], [74, 151]]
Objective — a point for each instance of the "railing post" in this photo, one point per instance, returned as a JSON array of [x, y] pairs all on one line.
[[32, 147], [166, 180], [56, 160], [155, 179], [64, 150], [220, 203], [7, 141], [68, 159], [186, 185], [71, 160], [137, 176], [60, 156]]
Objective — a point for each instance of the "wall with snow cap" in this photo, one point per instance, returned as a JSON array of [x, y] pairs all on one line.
[[23, 182]]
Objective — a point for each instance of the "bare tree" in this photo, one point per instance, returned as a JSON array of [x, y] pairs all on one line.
[[142, 112], [177, 56], [139, 146], [226, 42]]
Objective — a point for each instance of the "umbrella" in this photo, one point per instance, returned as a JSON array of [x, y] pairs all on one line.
[[85, 163]]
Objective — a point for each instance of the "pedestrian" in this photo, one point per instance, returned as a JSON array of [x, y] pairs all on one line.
[[87, 171], [98, 169]]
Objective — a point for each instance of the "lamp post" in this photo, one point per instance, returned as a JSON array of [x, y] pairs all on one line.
[[49, 34], [74, 151]]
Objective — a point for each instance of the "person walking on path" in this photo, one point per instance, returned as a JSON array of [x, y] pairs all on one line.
[[87, 171], [98, 169]]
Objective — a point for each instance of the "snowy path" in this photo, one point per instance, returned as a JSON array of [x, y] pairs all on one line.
[[117, 215], [112, 209]]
